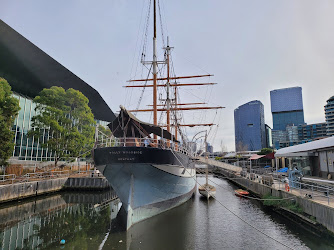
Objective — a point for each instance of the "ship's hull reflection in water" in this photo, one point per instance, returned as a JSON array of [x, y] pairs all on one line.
[[92, 221]]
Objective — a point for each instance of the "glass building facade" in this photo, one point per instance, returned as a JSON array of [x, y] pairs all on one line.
[[329, 114], [287, 107], [249, 126], [283, 119], [288, 113], [269, 137], [309, 132], [287, 99], [27, 148]]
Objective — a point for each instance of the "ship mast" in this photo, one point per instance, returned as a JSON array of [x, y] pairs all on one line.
[[155, 65], [176, 106], [168, 86]]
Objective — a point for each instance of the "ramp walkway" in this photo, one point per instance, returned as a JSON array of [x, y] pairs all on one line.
[[220, 164]]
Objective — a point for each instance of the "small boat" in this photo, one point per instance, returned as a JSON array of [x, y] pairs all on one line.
[[241, 192], [207, 190]]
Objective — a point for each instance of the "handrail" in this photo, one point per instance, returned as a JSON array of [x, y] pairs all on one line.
[[146, 142], [7, 177], [314, 190]]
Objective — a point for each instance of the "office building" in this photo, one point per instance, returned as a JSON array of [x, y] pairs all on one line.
[[329, 114], [292, 134], [269, 137], [193, 146], [209, 148], [287, 107], [310, 132], [249, 126], [287, 111], [28, 70], [279, 138]]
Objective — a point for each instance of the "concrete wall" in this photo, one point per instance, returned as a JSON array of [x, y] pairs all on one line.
[[86, 183], [23, 190], [26, 189], [323, 214]]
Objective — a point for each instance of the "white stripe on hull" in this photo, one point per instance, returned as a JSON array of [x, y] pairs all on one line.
[[176, 170]]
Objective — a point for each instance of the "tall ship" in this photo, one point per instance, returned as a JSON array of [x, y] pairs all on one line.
[[148, 166]]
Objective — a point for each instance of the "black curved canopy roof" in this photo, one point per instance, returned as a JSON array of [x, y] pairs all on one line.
[[128, 125], [28, 70]]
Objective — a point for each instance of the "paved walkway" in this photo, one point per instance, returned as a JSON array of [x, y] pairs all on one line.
[[220, 164], [318, 197]]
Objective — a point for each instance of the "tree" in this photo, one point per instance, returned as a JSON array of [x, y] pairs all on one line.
[[265, 151], [106, 131], [68, 119], [9, 108]]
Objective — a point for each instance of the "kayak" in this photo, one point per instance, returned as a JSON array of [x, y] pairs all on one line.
[[241, 193]]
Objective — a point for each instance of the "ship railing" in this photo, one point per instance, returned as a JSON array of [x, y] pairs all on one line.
[[146, 142]]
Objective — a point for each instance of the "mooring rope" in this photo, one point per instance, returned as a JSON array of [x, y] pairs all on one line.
[[249, 197], [232, 211]]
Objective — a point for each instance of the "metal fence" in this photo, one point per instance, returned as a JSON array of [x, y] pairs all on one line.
[[280, 181], [12, 178]]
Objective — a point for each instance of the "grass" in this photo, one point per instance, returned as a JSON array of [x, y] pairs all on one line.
[[277, 202]]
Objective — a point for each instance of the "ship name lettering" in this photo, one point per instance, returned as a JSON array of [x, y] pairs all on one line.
[[115, 152], [133, 152], [126, 159]]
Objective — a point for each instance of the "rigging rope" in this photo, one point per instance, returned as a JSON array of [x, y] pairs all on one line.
[[146, 31], [162, 30], [248, 197], [232, 211]]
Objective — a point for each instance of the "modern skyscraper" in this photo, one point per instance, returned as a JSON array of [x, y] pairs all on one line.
[[249, 126], [329, 114], [287, 107], [288, 113]]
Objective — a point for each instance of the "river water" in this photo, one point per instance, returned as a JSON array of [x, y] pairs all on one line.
[[89, 221]]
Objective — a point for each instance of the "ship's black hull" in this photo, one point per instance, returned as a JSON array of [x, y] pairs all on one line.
[[147, 180], [140, 155]]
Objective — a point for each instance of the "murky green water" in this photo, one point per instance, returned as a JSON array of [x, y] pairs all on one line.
[[89, 221]]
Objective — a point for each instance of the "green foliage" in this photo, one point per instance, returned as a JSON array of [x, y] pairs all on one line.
[[271, 200], [9, 108], [265, 151], [69, 121], [313, 218], [105, 131], [277, 202]]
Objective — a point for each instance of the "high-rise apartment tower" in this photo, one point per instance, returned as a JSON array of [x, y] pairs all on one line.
[[329, 114]]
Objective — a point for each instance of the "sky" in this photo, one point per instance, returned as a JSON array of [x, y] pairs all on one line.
[[251, 47]]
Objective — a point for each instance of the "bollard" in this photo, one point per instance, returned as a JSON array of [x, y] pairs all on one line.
[[312, 190]]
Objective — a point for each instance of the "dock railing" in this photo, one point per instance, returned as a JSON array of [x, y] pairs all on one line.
[[280, 181], [38, 176], [7, 178]]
